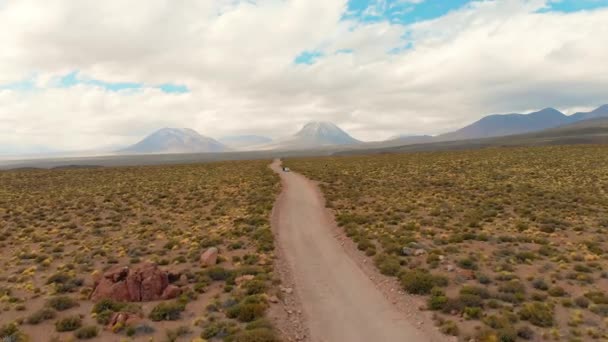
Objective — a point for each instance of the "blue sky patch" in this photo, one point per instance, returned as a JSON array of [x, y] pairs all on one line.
[[399, 11], [568, 6], [404, 12], [23, 85], [173, 88], [73, 79], [307, 57]]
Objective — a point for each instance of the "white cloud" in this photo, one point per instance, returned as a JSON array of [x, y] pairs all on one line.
[[236, 57]]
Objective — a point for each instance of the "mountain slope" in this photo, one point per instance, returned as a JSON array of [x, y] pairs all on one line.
[[600, 112], [314, 135], [509, 124], [176, 140]]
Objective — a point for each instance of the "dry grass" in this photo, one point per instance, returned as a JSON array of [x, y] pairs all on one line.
[[58, 227], [506, 244]]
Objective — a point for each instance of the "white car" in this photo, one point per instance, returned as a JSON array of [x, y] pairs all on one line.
[[286, 169]]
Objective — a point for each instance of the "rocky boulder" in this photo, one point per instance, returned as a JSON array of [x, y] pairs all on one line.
[[209, 257], [143, 283]]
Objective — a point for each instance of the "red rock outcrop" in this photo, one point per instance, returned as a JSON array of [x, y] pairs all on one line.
[[146, 282]]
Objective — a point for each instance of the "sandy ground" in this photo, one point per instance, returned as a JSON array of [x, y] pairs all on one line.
[[340, 300]]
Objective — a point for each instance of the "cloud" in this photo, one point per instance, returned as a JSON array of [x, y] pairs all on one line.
[[236, 59]]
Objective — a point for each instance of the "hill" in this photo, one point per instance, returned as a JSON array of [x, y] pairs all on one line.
[[176, 140]]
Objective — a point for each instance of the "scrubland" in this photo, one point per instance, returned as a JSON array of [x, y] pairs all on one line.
[[504, 244], [60, 230]]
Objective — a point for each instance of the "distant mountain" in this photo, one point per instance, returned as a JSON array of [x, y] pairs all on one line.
[[591, 131], [176, 140], [314, 135], [509, 124], [600, 112], [243, 142]]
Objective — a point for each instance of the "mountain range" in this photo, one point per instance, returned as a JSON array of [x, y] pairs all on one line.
[[326, 135], [509, 124]]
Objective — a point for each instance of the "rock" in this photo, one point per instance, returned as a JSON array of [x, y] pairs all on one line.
[[182, 281], [450, 268], [442, 258], [419, 252], [287, 290], [123, 319], [243, 279], [407, 251], [145, 282], [171, 292], [273, 299], [209, 257]]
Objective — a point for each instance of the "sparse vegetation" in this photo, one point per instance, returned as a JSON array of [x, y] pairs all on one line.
[[63, 228], [507, 243]]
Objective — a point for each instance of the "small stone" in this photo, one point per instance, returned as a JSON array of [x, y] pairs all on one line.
[[273, 299], [450, 268], [419, 252], [407, 251]]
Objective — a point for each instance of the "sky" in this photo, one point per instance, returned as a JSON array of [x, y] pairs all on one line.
[[86, 75]]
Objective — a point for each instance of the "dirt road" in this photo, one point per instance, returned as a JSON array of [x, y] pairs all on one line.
[[339, 301]]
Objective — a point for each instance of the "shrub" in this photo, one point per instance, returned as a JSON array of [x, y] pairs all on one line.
[[437, 302], [174, 334], [582, 302], [419, 282], [388, 264], [557, 291], [537, 313], [247, 312], [218, 273], [450, 328], [167, 311], [599, 309], [68, 324], [41, 315], [61, 303], [107, 305], [10, 332], [540, 284], [525, 333], [254, 287], [87, 332]]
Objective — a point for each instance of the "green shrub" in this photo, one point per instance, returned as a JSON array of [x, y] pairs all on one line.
[[107, 304], [388, 264], [582, 302], [599, 309], [419, 282], [254, 287], [167, 311], [41, 315], [557, 291], [174, 334], [525, 333], [68, 323], [537, 313], [218, 273], [437, 302], [61, 303], [247, 312], [87, 332], [10, 332]]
